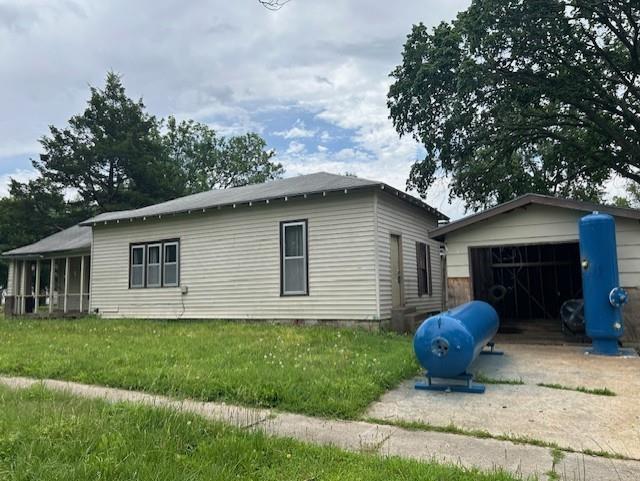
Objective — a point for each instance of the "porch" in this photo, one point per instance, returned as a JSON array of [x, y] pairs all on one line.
[[56, 285]]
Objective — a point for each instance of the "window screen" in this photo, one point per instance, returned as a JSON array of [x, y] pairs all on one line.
[[153, 266], [294, 258], [171, 264], [137, 266]]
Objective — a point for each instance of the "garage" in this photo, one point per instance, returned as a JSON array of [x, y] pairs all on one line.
[[523, 258]]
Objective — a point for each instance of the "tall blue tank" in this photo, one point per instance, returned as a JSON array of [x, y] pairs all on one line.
[[447, 343], [603, 296]]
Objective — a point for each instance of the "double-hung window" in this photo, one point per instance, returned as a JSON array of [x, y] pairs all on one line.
[[170, 264], [294, 259], [154, 264], [423, 260], [136, 272]]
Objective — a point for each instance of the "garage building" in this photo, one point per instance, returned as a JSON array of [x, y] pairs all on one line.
[[523, 257]]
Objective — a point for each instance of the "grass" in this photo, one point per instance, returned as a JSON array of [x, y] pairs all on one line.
[[482, 434], [556, 456], [312, 370], [52, 436], [483, 379], [597, 391]]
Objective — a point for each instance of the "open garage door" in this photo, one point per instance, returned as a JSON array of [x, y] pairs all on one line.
[[527, 284]]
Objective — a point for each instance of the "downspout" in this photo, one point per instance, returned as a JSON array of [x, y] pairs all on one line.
[[376, 254]]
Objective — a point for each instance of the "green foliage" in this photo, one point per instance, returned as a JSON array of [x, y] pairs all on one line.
[[33, 210], [632, 199], [312, 370], [209, 161], [111, 153], [523, 96], [53, 436]]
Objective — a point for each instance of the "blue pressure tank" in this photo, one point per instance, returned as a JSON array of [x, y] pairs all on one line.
[[447, 343], [603, 296]]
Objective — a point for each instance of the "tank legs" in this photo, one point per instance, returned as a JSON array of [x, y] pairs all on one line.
[[491, 351], [469, 387]]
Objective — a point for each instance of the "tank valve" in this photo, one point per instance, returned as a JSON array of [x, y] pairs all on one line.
[[618, 296], [585, 264], [617, 326]]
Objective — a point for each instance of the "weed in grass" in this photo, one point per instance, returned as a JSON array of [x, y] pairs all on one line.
[[597, 391], [482, 434], [556, 456], [47, 435], [481, 378], [312, 370]]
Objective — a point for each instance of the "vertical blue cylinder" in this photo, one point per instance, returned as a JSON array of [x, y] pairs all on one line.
[[603, 296]]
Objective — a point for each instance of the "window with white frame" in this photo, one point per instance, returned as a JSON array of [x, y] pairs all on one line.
[[294, 259], [136, 271], [154, 278], [155, 264], [170, 264]]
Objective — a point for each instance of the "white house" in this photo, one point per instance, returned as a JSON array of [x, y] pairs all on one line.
[[318, 247]]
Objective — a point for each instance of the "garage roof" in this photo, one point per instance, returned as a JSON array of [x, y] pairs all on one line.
[[317, 183], [529, 199], [72, 239]]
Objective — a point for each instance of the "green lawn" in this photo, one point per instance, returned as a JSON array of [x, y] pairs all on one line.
[[313, 370], [51, 436]]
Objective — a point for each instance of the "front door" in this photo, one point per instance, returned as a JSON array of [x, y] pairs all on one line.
[[396, 271]]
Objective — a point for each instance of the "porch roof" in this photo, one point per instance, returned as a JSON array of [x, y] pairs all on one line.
[[76, 238]]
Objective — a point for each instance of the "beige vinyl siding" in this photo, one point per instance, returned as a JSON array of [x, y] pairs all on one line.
[[540, 224], [11, 275], [230, 262], [412, 224]]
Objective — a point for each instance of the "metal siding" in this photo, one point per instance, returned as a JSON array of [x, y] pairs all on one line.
[[230, 262], [540, 224], [413, 224]]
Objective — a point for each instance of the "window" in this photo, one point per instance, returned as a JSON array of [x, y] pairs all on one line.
[[170, 264], [136, 275], [423, 260], [293, 253], [155, 264]]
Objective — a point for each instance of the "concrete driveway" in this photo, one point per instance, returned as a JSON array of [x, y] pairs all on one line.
[[571, 419]]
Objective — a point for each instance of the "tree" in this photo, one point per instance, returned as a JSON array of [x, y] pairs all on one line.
[[209, 161], [632, 199], [520, 96], [111, 154], [34, 210]]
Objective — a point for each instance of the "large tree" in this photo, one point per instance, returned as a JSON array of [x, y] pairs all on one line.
[[520, 96], [111, 154], [209, 161]]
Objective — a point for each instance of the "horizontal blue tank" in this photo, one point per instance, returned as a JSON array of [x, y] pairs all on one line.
[[603, 296], [447, 343]]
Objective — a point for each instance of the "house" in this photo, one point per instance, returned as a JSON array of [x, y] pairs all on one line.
[[318, 247], [523, 257]]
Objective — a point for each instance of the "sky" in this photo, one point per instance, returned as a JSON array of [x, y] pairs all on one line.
[[311, 78]]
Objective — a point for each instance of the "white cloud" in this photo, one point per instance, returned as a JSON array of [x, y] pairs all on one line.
[[295, 148], [297, 131]]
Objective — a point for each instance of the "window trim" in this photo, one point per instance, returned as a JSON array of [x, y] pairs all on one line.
[[175, 243], [305, 244], [132, 247], [145, 246], [160, 264]]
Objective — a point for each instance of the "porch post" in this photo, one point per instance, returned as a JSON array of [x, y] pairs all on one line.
[[66, 283], [23, 287], [51, 281], [37, 290], [81, 283]]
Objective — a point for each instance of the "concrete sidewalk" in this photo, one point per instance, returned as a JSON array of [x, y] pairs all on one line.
[[486, 454]]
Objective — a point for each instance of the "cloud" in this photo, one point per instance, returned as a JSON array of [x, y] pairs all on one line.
[[295, 148], [297, 131]]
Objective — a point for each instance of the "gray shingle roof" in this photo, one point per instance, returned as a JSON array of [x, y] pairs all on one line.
[[290, 187], [74, 238]]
